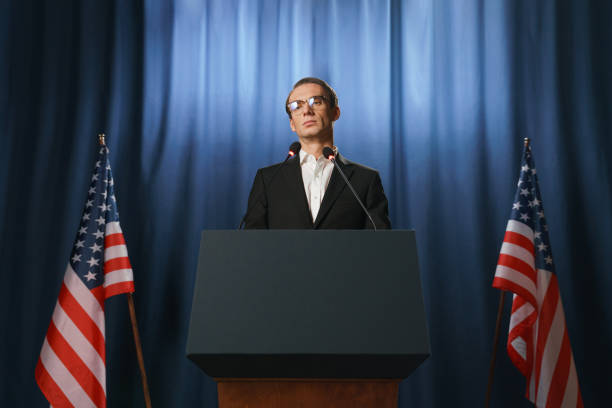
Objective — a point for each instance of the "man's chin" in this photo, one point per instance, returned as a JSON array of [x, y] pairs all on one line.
[[310, 134]]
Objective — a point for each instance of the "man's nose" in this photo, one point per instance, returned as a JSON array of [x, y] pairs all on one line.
[[307, 110]]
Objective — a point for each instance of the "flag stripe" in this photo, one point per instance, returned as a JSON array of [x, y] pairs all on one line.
[[118, 288], [518, 265], [83, 348], [519, 252], [560, 375], [114, 239], [549, 323], [520, 240], [113, 227], [543, 286], [520, 228], [571, 397], [98, 293], [62, 377], [516, 282], [116, 251], [548, 356], [511, 286], [84, 297], [519, 346], [121, 275], [523, 330], [521, 314], [116, 264], [82, 320], [52, 391], [517, 303], [73, 363]]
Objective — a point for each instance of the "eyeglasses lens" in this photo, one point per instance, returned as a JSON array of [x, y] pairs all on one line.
[[315, 102], [295, 105]]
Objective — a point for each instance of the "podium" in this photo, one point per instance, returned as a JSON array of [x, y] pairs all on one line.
[[308, 318]]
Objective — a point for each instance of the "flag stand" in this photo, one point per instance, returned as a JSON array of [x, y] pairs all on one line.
[[500, 308], [143, 373], [132, 308]]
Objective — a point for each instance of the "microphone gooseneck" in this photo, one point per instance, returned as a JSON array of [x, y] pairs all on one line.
[[328, 153], [294, 149]]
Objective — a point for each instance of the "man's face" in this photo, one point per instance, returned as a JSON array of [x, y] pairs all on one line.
[[310, 122]]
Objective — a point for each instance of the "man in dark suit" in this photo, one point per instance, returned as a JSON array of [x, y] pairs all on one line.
[[308, 192]]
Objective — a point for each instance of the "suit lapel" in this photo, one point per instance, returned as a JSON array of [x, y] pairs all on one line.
[[295, 187], [334, 188]]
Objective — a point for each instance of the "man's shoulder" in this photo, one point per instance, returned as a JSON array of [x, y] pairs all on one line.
[[362, 168], [271, 168]]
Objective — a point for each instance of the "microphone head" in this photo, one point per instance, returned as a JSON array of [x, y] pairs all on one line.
[[295, 148], [328, 153]]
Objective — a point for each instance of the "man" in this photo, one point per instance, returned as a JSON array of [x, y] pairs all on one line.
[[308, 192]]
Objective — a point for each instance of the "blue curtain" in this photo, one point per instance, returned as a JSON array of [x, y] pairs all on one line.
[[437, 95]]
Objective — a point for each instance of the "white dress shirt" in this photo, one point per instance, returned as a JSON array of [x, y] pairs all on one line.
[[316, 175]]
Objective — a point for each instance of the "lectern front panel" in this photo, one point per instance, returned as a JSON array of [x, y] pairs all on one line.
[[305, 304]]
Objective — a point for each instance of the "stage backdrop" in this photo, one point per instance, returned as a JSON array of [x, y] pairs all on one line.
[[437, 95]]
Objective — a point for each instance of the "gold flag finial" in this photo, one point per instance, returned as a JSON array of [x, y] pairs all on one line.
[[102, 139], [526, 142]]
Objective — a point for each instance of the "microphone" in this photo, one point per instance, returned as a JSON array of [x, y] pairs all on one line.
[[329, 155], [293, 150]]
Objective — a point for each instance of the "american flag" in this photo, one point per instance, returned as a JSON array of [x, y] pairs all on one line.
[[71, 370], [538, 343]]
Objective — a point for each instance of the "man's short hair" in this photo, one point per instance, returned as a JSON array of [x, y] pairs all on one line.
[[331, 96]]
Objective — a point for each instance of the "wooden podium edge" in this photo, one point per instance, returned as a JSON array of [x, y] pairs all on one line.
[[235, 379], [307, 392]]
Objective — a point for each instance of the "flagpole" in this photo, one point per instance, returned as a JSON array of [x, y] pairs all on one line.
[[145, 385], [500, 308], [132, 309]]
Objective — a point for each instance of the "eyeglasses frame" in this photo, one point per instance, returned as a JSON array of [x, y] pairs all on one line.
[[307, 101]]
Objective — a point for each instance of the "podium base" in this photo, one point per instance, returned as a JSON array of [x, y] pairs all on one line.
[[307, 392]]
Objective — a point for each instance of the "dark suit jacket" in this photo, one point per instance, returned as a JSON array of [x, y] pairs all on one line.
[[281, 203]]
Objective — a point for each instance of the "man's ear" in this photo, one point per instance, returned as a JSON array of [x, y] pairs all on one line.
[[336, 114], [291, 124]]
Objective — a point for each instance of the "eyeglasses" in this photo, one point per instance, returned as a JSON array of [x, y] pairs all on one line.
[[315, 102]]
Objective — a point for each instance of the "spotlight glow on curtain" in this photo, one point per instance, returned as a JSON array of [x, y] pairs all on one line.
[[435, 94]]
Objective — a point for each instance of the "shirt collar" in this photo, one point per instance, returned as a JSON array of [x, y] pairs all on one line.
[[304, 156]]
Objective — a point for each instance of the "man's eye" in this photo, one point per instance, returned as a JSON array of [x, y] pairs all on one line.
[[316, 100]]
